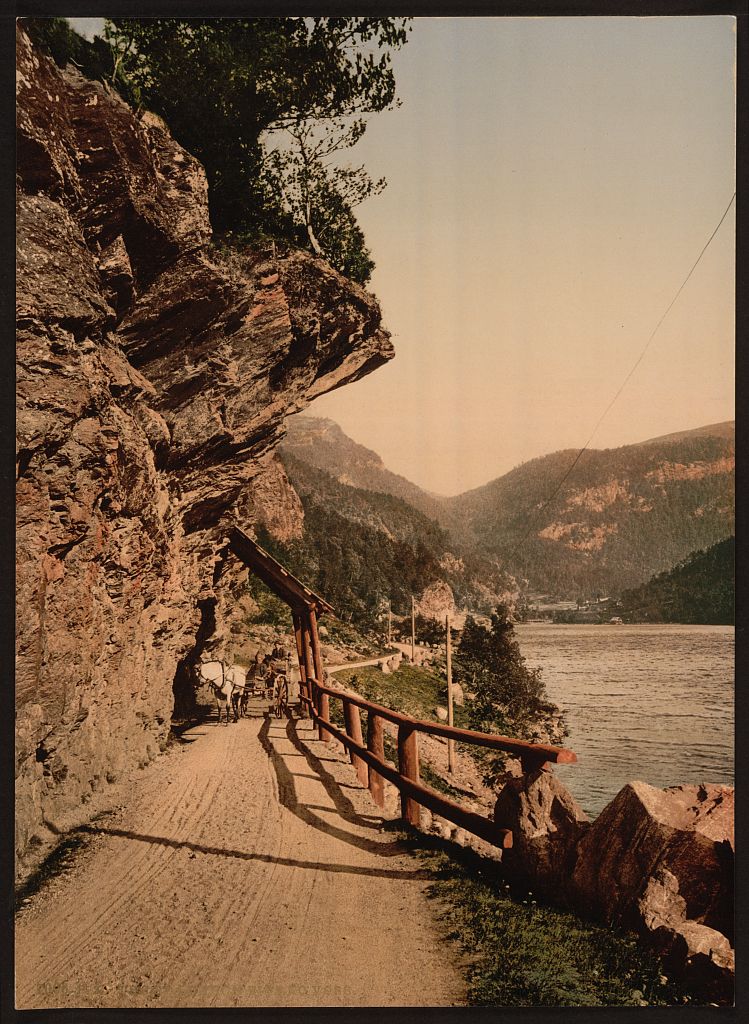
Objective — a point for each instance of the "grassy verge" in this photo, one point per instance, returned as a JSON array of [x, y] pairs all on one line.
[[416, 691], [411, 689], [525, 954]]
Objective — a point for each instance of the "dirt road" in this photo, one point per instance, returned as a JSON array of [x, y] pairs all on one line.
[[248, 868]]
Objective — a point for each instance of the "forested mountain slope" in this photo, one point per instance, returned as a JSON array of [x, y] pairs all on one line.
[[699, 589], [621, 516], [361, 548], [321, 443]]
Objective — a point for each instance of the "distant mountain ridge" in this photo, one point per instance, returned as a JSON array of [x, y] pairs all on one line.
[[624, 514], [322, 443], [725, 429]]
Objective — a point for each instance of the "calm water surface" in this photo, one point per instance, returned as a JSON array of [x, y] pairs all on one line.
[[653, 703]]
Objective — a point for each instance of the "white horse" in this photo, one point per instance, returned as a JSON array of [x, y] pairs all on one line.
[[221, 682], [238, 676]]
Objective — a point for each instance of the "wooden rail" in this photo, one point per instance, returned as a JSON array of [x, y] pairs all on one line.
[[372, 768]]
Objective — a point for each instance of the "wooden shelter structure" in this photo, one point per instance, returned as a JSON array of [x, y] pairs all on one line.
[[305, 605]]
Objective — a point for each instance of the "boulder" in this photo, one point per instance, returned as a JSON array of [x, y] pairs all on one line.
[[546, 824], [661, 862], [441, 714], [701, 955], [458, 695], [686, 830]]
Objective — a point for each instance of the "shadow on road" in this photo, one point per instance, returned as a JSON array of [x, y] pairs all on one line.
[[220, 851], [288, 795]]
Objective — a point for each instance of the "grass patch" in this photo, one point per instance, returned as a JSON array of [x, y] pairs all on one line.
[[525, 954], [411, 689]]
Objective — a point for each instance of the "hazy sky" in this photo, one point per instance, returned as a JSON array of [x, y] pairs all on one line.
[[550, 183]]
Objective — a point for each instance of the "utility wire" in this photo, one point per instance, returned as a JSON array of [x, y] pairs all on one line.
[[624, 383]]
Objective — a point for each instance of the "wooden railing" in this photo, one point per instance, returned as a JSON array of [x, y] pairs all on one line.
[[372, 768]]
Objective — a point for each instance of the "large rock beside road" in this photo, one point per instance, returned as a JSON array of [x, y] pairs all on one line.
[[546, 824], [661, 862], [686, 830], [656, 861]]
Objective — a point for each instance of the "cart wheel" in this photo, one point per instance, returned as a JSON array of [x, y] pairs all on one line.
[[282, 699]]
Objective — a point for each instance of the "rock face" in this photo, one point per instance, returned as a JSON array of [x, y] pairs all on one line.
[[436, 602], [154, 375]]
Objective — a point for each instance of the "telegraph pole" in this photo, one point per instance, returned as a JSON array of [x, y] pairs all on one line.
[[413, 632], [448, 652], [390, 623]]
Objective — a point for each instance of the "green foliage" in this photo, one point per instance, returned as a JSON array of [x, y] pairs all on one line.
[[700, 589], [525, 954], [321, 196], [411, 689], [491, 662], [271, 610], [388, 549], [510, 697], [354, 565], [55, 37], [430, 631], [222, 84]]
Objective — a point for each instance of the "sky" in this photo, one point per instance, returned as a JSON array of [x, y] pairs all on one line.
[[551, 182]]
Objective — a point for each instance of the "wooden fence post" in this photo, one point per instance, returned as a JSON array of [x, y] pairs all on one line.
[[408, 766], [352, 717], [376, 746], [323, 710]]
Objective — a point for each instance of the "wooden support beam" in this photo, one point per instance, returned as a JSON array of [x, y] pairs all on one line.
[[303, 685], [323, 701], [316, 649], [323, 710]]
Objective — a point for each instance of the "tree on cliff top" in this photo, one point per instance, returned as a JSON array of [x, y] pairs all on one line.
[[222, 84]]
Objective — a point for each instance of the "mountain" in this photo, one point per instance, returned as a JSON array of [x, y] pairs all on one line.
[[622, 515], [362, 548], [726, 429], [699, 589], [321, 443]]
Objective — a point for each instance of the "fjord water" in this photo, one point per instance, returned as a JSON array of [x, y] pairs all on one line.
[[651, 703]]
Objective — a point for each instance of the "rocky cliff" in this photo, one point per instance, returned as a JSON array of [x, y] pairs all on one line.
[[154, 375]]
